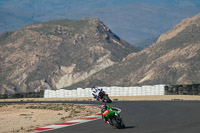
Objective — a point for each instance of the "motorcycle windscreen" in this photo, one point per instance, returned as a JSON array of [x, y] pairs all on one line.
[[108, 113], [105, 113]]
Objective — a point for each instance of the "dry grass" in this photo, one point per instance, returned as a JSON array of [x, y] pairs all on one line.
[[24, 118]]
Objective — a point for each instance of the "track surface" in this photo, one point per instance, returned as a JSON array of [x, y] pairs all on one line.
[[146, 117]]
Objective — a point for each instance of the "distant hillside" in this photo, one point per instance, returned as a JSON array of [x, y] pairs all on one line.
[[173, 59], [57, 54]]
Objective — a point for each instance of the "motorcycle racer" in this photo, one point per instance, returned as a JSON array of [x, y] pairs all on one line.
[[97, 93], [103, 112], [111, 116]]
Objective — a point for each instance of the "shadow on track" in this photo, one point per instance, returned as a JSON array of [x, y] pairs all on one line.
[[129, 127]]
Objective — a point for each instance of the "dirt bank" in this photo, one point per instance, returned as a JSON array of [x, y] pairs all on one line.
[[24, 118]]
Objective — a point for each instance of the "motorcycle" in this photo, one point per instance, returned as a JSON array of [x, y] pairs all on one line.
[[113, 118], [101, 95], [104, 97]]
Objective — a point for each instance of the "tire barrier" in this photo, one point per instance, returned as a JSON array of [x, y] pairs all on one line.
[[111, 91], [39, 94], [192, 89]]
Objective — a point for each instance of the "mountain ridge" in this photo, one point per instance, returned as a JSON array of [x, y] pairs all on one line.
[[171, 60], [57, 54], [180, 27], [70, 54]]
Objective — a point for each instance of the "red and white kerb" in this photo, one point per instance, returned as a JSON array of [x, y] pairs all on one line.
[[72, 122]]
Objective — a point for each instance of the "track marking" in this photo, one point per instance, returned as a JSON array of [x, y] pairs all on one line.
[[42, 129], [72, 122], [68, 123], [75, 122]]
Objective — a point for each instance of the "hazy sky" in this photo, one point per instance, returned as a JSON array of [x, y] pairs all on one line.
[[133, 20]]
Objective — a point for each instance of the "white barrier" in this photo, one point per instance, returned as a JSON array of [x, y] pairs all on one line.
[[111, 91]]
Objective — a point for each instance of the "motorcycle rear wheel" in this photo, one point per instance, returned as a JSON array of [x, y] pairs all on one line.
[[117, 124], [107, 99]]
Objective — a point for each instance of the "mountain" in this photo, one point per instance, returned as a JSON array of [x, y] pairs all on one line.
[[57, 54], [173, 59]]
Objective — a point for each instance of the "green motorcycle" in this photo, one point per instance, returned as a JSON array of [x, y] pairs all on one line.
[[111, 115]]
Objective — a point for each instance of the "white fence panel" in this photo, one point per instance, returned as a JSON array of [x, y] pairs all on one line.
[[108, 91], [111, 91], [47, 93], [121, 91], [130, 91], [126, 91], [159, 89], [80, 92], [88, 92], [117, 90], [62, 93], [66, 93], [74, 93], [137, 91], [52, 94], [147, 90], [70, 93]]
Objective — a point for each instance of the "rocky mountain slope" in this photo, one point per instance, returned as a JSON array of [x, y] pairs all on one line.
[[173, 59], [57, 54]]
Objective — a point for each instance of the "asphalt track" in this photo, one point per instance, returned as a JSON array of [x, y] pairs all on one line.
[[146, 117]]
